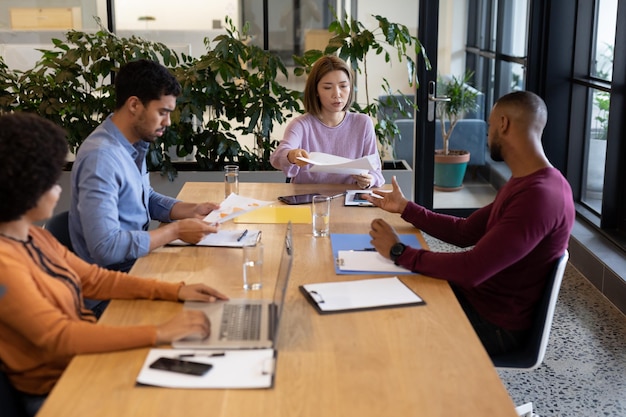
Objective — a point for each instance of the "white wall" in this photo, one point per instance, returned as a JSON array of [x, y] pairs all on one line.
[[404, 12], [452, 37], [181, 14]]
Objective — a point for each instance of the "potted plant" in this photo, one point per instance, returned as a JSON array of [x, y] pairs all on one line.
[[232, 87], [451, 164]]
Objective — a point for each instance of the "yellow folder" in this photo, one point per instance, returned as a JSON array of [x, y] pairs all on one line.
[[277, 214]]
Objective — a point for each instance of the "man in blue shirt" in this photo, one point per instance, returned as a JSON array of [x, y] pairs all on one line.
[[112, 200]]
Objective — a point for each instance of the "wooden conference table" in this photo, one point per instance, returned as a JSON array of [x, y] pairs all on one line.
[[411, 361]]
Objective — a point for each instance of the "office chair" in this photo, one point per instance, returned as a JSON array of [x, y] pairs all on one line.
[[531, 355], [58, 225], [9, 399]]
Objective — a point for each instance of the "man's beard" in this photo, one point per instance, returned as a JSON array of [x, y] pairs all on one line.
[[495, 152]]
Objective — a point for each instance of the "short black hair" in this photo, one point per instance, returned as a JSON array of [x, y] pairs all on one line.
[[146, 80], [33, 151]]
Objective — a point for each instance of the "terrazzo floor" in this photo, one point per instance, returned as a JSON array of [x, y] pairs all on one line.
[[584, 370]]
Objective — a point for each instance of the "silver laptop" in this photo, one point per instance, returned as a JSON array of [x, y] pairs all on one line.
[[245, 323]]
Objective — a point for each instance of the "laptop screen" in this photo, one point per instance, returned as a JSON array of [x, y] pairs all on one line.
[[284, 269]]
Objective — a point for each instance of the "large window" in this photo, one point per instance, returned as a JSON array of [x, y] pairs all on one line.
[[596, 81], [26, 26], [596, 116], [496, 46]]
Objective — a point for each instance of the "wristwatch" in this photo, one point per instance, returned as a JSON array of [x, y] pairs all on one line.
[[396, 250]]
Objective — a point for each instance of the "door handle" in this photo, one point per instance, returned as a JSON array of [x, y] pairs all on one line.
[[433, 100]]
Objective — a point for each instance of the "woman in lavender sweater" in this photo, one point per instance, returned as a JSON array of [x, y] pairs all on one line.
[[328, 126]]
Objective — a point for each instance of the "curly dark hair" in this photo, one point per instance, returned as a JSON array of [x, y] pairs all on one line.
[[33, 151], [145, 79]]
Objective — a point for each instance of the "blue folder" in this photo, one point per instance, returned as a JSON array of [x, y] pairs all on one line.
[[347, 241]]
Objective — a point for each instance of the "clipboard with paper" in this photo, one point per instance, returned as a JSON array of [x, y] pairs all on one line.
[[365, 294], [353, 254], [233, 369], [226, 239]]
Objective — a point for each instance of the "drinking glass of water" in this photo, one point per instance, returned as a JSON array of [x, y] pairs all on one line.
[[231, 180], [253, 266], [320, 209]]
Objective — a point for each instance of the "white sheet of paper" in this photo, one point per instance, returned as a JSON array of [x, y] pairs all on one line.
[[332, 164], [235, 205], [371, 261], [253, 368]]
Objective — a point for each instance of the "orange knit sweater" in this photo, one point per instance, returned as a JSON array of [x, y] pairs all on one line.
[[43, 321]]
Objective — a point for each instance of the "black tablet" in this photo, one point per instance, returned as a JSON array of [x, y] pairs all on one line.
[[298, 198]]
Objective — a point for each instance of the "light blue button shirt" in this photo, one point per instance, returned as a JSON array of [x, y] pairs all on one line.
[[112, 200]]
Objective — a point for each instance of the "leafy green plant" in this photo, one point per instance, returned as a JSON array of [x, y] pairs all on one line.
[[352, 42], [236, 82], [461, 99], [231, 89], [71, 83]]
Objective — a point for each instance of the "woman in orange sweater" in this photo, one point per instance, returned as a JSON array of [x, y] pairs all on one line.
[[43, 321]]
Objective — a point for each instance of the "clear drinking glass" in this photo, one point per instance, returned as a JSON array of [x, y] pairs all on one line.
[[320, 208], [231, 180], [253, 266]]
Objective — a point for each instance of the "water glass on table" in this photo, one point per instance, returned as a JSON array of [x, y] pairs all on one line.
[[253, 266], [231, 180], [320, 209]]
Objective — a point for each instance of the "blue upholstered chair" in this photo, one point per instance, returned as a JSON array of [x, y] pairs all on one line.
[[469, 135]]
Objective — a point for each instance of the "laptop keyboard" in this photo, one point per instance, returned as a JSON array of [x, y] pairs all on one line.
[[241, 322]]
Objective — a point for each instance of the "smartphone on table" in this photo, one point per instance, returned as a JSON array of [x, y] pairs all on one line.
[[297, 198], [181, 366]]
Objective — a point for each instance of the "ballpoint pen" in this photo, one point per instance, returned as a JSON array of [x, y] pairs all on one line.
[[338, 195], [245, 232], [209, 355]]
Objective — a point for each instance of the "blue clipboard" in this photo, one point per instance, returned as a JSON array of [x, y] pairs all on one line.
[[347, 241]]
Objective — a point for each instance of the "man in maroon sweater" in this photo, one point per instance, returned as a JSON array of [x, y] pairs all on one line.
[[516, 239]]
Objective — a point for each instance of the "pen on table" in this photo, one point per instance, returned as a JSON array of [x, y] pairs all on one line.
[[368, 250], [209, 355], [245, 232], [338, 195]]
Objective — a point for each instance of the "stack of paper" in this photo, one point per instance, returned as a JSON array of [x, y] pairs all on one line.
[[235, 205], [333, 164]]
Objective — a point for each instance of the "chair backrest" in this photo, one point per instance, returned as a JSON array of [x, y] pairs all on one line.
[[10, 403], [531, 355], [58, 225]]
